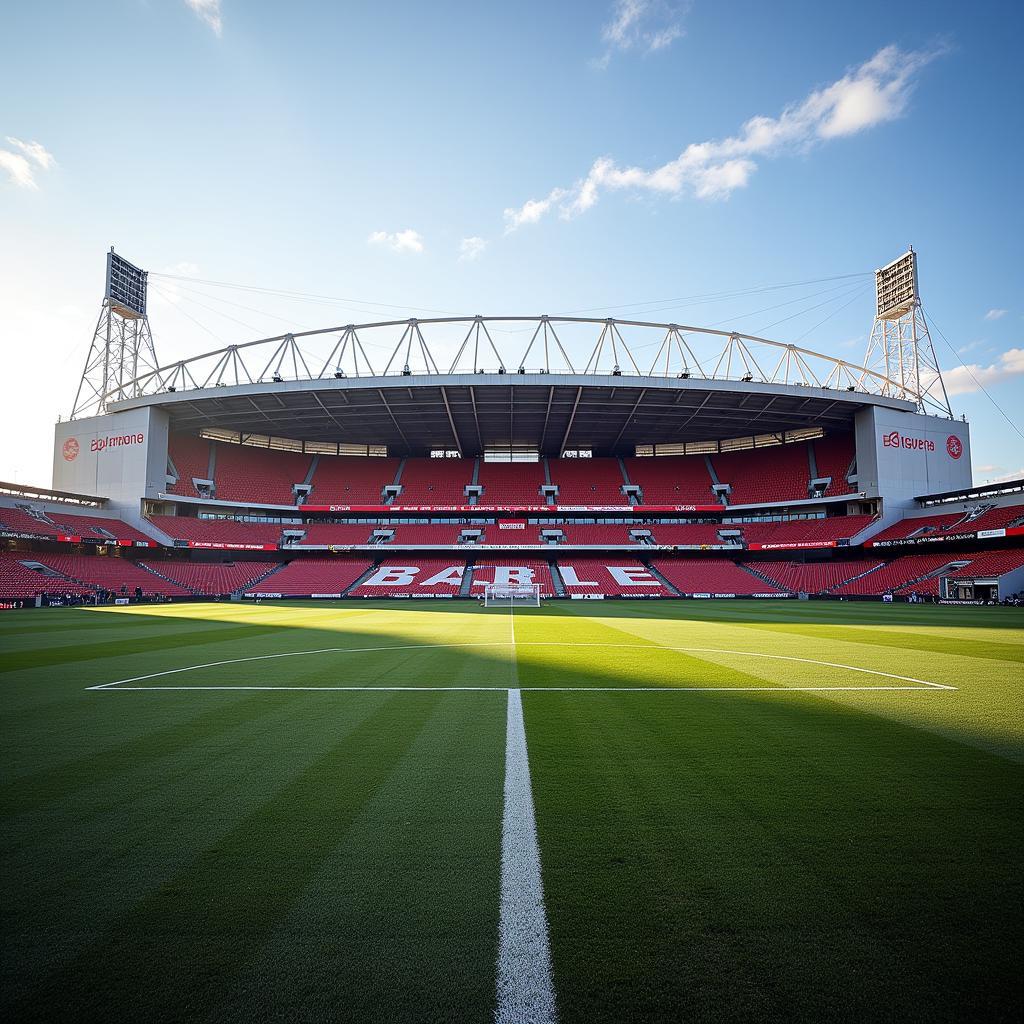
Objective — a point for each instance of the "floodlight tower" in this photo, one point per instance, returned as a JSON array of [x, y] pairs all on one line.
[[900, 347], [122, 344]]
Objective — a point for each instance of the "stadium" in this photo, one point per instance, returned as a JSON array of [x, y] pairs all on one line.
[[307, 598], [728, 467]]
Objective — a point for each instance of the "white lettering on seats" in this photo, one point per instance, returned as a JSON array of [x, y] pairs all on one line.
[[509, 575], [393, 576], [570, 578], [629, 576], [452, 575]]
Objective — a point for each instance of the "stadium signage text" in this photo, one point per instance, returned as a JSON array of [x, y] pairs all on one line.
[[894, 439], [99, 444], [632, 509], [795, 544], [231, 547]]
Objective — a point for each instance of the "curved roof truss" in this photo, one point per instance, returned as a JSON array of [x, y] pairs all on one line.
[[517, 344]]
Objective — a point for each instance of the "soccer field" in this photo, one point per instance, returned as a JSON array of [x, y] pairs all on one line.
[[713, 811]]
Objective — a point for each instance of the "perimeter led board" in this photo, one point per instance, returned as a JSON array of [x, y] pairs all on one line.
[[896, 287], [126, 286]]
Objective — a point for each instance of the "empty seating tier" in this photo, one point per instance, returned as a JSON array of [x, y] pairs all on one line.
[[342, 534], [952, 524], [406, 577], [306, 577], [219, 532], [593, 533], [351, 480], [428, 533], [904, 571], [834, 456], [58, 523], [672, 480], [810, 532], [435, 481], [19, 582], [587, 481], [244, 473], [689, 533], [613, 578], [757, 476], [511, 483], [112, 574], [991, 564], [190, 456], [511, 571], [812, 577], [211, 579], [713, 576]]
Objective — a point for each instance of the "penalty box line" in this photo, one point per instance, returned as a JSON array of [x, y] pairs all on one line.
[[918, 684]]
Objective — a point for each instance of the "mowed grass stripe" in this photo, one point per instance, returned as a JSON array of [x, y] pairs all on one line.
[[146, 806], [632, 664], [756, 859], [173, 949], [157, 742], [401, 921]]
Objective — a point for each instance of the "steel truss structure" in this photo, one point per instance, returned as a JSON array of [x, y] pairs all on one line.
[[120, 358], [901, 350], [526, 344]]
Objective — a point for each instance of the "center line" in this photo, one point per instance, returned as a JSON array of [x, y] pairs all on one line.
[[526, 993]]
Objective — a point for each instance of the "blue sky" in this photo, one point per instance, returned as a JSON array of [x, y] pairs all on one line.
[[526, 158]]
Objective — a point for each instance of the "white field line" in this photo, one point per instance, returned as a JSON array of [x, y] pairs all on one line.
[[920, 683], [114, 688], [525, 991]]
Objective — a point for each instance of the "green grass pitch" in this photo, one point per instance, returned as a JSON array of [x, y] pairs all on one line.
[[745, 810]]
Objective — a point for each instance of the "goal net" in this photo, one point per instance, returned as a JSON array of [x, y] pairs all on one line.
[[511, 594]]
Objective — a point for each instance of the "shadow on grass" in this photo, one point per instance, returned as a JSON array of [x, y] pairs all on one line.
[[719, 856]]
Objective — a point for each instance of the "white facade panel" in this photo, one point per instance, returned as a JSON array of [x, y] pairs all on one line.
[[122, 456], [902, 455]]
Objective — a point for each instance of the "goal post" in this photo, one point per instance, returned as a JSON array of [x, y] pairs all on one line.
[[505, 594]]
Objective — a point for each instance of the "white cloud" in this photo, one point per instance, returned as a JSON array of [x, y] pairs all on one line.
[[1016, 474], [965, 380], [996, 314], [209, 12], [871, 94], [22, 160], [645, 26], [400, 241], [471, 248]]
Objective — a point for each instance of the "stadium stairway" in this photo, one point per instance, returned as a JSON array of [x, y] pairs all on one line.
[[276, 567], [953, 565], [859, 576], [466, 586], [362, 578], [761, 576], [556, 580], [192, 590], [664, 581]]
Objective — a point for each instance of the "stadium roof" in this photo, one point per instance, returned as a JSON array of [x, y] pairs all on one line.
[[551, 412]]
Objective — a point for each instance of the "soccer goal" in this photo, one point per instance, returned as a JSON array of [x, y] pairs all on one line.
[[501, 594]]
